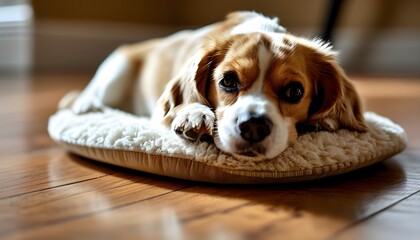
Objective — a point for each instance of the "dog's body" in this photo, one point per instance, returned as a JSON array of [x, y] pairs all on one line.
[[244, 82]]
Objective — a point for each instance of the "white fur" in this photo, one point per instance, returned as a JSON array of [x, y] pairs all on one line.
[[229, 138], [264, 59], [259, 23], [194, 116], [108, 86]]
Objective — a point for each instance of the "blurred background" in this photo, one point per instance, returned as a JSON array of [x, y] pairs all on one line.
[[376, 37]]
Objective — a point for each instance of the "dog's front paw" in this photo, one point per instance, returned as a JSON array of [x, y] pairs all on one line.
[[194, 122], [85, 104]]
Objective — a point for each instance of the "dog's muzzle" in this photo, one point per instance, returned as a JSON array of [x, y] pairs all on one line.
[[254, 129]]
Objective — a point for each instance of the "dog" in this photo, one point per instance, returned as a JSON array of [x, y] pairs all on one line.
[[244, 83]]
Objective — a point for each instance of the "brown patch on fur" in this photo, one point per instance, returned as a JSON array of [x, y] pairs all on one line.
[[240, 58], [288, 66], [335, 102], [189, 86]]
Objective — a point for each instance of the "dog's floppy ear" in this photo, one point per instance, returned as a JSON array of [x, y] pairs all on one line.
[[335, 102], [190, 85]]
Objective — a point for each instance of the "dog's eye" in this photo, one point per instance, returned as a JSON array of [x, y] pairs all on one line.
[[292, 93], [229, 82]]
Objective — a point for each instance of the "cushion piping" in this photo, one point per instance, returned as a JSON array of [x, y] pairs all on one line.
[[161, 165]]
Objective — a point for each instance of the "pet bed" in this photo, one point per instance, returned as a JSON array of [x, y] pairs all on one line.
[[122, 139]]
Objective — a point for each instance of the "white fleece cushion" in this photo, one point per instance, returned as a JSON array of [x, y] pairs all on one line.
[[130, 141]]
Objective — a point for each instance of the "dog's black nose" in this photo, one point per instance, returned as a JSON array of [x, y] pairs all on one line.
[[255, 129]]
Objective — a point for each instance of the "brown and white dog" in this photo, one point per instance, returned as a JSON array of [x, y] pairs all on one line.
[[244, 82]]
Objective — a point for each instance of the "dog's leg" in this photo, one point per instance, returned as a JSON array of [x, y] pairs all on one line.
[[109, 84]]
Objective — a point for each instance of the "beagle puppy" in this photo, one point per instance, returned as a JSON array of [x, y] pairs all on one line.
[[244, 82]]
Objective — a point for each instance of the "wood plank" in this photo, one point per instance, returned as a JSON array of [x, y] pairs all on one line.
[[42, 170], [398, 222], [52, 186], [397, 99], [318, 209], [25, 106]]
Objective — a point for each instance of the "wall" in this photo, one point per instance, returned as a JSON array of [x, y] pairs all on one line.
[[375, 37]]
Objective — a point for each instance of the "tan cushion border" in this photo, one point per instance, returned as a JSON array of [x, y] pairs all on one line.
[[194, 170]]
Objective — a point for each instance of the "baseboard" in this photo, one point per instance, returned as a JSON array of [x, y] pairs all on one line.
[[15, 42]]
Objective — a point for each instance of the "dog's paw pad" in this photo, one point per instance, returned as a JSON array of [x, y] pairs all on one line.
[[192, 134], [194, 123]]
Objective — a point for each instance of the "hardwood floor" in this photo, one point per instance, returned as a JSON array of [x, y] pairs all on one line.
[[48, 193]]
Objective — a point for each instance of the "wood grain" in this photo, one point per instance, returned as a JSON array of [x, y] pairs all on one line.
[[384, 225], [47, 193]]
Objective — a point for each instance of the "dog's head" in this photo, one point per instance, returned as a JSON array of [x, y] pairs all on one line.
[[266, 86]]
